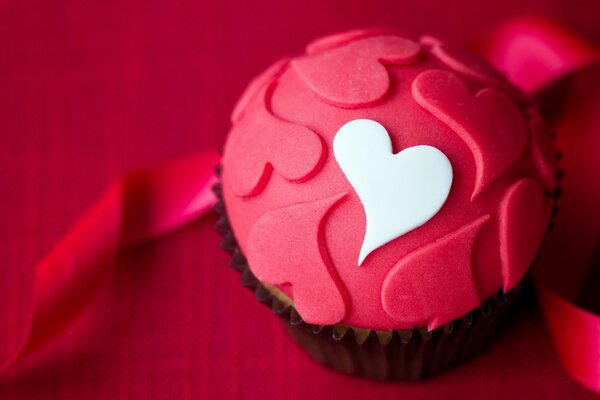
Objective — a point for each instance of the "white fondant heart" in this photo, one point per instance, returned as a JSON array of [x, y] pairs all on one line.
[[399, 192]]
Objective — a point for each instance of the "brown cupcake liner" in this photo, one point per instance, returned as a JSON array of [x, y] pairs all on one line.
[[383, 355]]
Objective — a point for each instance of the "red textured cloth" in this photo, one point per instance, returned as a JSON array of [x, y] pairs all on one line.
[[89, 90]]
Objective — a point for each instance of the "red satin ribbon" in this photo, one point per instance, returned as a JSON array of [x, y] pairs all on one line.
[[145, 204], [140, 206], [536, 54]]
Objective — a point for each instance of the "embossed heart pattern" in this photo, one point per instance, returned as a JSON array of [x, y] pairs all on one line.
[[399, 192]]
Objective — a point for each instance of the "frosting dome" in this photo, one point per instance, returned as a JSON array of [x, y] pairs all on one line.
[[387, 183]]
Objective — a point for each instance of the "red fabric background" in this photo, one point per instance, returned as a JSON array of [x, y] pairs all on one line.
[[90, 89]]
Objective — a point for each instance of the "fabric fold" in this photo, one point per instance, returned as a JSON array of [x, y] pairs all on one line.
[[140, 206], [536, 55]]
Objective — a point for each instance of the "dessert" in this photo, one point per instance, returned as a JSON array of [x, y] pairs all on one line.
[[387, 195]]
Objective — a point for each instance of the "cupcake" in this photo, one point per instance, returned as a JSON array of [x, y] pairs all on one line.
[[386, 196]]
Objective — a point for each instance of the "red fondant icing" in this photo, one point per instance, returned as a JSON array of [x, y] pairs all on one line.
[[522, 225], [261, 142], [354, 75], [296, 255], [408, 124], [268, 76], [416, 290], [542, 151], [475, 68], [489, 122], [339, 39]]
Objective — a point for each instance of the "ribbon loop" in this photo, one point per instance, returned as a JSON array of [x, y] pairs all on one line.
[[536, 54]]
